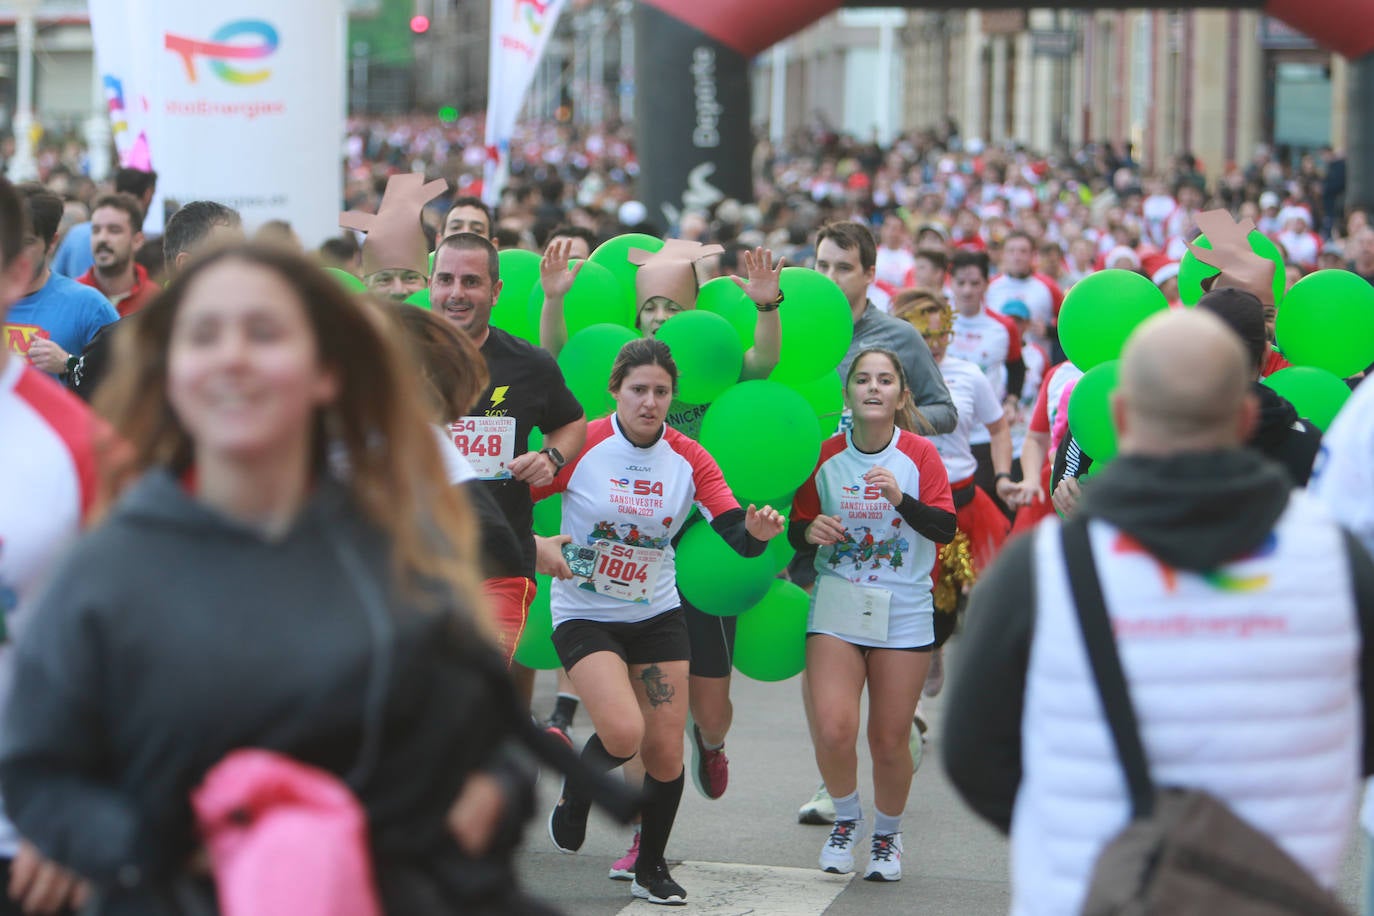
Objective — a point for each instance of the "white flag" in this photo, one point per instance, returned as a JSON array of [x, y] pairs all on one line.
[[520, 30], [240, 103]]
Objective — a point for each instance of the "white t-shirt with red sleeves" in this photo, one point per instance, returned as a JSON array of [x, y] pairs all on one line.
[[891, 265], [48, 461], [624, 505], [1031, 289], [977, 405], [881, 550], [986, 341]]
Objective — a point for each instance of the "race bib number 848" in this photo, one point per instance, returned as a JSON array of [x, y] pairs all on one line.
[[488, 443]]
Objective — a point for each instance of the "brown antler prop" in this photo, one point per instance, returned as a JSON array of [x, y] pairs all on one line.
[[1232, 255]]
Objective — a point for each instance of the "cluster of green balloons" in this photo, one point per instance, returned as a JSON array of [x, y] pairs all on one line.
[[765, 434]]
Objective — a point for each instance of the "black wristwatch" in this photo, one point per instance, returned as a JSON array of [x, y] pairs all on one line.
[[1000, 474], [555, 456]]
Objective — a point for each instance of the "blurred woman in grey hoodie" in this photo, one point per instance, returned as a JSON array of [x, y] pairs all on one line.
[[243, 592]]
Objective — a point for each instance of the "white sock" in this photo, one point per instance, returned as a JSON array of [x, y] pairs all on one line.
[[848, 808], [886, 823]]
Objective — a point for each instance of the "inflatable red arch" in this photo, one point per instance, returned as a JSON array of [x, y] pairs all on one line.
[[692, 117]]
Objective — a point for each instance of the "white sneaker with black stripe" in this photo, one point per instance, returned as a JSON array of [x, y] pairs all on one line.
[[885, 857]]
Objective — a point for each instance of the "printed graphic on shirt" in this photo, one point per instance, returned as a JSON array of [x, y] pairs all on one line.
[[627, 533], [19, 337], [867, 547]]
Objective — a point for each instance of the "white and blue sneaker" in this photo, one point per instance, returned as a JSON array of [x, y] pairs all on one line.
[[885, 858], [837, 855]]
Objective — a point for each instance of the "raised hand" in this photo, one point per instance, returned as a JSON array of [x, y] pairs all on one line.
[[763, 276], [554, 275]]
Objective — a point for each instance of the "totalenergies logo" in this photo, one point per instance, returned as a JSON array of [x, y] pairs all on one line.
[[228, 44], [535, 11]]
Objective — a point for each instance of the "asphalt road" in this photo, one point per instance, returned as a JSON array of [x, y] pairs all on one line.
[[746, 854]]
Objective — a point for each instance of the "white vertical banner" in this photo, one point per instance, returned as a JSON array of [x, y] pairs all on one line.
[[123, 67], [520, 30], [244, 102]]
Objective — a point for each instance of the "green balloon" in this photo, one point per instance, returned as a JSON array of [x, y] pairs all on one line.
[[765, 438], [1100, 312], [419, 298], [770, 638], [715, 578], [586, 363], [817, 326], [1191, 271], [1316, 394], [596, 297], [535, 649], [613, 254], [347, 280], [1090, 411], [708, 355], [1327, 321], [519, 273], [724, 297], [825, 394], [548, 514]]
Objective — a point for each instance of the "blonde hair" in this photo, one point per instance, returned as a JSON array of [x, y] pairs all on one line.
[[378, 422], [908, 416]]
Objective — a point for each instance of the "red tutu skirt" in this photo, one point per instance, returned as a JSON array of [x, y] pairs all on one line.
[[982, 531]]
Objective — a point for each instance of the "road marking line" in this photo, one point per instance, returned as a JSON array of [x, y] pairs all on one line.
[[726, 889]]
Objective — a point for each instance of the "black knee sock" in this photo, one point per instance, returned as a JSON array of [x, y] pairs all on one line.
[[594, 755], [659, 811], [564, 708]]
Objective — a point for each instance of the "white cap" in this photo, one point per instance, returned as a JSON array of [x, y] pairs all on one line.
[[632, 213], [1268, 199]]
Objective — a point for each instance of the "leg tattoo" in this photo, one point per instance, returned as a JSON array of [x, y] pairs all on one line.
[[656, 686]]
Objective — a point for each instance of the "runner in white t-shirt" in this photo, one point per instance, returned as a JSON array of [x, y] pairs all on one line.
[[875, 507], [992, 343], [618, 623], [894, 257], [1019, 283], [47, 454], [982, 525]]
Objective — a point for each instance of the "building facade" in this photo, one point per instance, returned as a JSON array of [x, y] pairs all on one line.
[[1215, 82]]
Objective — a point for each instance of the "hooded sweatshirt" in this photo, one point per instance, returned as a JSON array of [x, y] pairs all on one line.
[[173, 635], [1190, 511]]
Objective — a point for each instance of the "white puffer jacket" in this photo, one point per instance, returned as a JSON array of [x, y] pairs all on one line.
[[1245, 684]]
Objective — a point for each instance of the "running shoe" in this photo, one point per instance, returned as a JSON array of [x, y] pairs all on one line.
[[885, 858], [568, 825], [657, 886], [935, 680], [559, 729], [820, 810], [623, 868], [710, 768], [837, 855], [917, 745]]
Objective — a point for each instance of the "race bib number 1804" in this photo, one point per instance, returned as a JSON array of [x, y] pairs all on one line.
[[626, 573], [488, 443]]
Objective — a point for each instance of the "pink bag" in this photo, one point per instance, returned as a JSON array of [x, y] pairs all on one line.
[[285, 839]]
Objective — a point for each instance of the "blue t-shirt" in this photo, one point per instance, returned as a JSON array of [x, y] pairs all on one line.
[[65, 311], [73, 256]]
